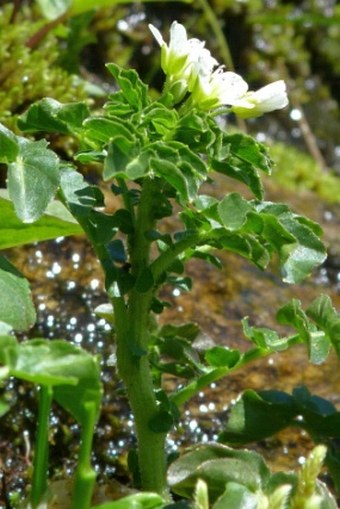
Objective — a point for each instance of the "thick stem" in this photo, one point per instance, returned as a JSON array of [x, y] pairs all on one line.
[[132, 320], [40, 462]]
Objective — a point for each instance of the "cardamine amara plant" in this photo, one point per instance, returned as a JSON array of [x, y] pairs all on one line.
[[155, 155]]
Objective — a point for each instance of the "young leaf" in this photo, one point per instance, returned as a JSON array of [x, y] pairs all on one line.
[[16, 307], [134, 90], [33, 179]]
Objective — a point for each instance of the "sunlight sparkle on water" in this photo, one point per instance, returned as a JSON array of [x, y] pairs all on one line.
[[296, 114]]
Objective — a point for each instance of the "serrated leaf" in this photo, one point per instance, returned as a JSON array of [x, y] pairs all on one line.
[[16, 306], [33, 179]]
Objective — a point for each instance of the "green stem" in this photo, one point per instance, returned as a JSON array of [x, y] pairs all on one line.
[[132, 322], [189, 391], [85, 476], [40, 462]]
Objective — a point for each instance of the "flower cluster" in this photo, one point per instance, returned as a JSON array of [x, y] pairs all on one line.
[[190, 67]]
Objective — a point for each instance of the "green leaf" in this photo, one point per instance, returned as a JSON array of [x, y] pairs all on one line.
[[103, 129], [4, 407], [136, 501], [300, 256], [264, 338], [80, 196], [33, 179], [49, 115], [327, 318], [233, 211], [144, 281], [217, 465], [252, 418], [73, 373], [55, 222], [134, 90], [9, 147], [219, 356], [249, 150], [16, 307], [317, 340]]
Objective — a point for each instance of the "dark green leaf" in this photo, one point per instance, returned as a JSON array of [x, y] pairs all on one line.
[[253, 418], [161, 422], [249, 150], [219, 356], [144, 281], [16, 307], [33, 179]]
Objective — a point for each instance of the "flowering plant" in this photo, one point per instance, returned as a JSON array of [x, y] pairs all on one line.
[[189, 67], [155, 156]]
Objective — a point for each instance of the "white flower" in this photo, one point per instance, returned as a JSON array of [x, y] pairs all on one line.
[[176, 57], [269, 98], [217, 88]]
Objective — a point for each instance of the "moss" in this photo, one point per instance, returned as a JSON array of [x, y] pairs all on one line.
[[28, 74], [297, 171]]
